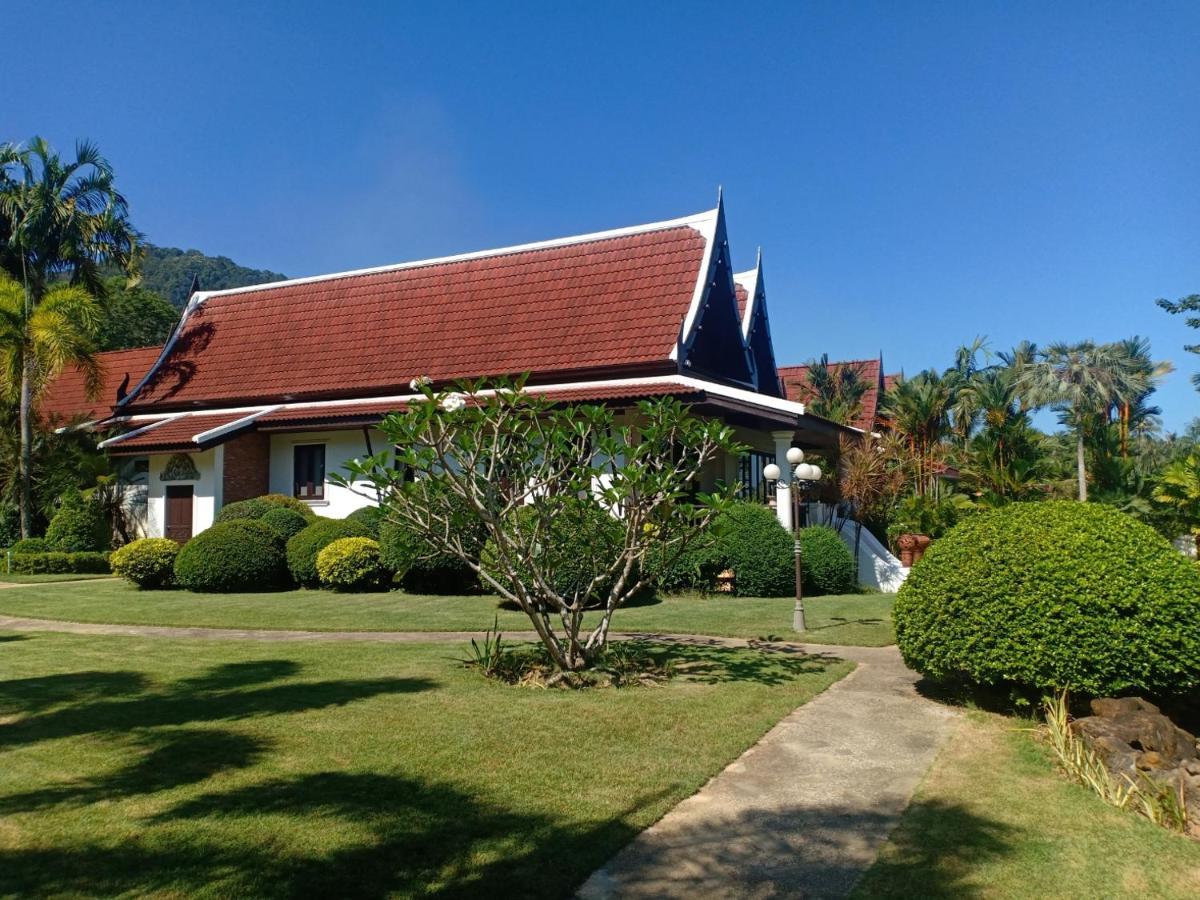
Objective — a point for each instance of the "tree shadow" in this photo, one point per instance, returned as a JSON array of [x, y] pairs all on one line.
[[179, 368], [810, 851], [710, 662], [100, 702], [9, 638], [331, 834]]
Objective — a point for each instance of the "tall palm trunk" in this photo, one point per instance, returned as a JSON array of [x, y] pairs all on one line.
[[1081, 465], [27, 447]]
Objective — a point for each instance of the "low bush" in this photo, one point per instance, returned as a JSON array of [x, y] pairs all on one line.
[[303, 547], [79, 526], [758, 549], [31, 545], [148, 563], [574, 546], [257, 507], [352, 564], [284, 522], [1054, 595], [58, 563], [696, 569], [370, 516], [425, 568], [232, 556], [827, 562]]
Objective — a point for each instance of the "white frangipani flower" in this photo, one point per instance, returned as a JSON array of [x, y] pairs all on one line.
[[419, 382], [453, 402]]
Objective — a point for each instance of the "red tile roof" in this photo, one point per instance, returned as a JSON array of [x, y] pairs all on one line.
[[66, 400], [796, 387], [614, 303], [172, 434]]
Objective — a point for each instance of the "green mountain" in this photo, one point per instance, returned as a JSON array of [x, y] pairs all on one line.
[[168, 272]]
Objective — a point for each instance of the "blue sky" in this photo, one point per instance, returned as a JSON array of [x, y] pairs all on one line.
[[916, 173]]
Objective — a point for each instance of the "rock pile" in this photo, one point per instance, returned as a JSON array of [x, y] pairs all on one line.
[[1134, 738]]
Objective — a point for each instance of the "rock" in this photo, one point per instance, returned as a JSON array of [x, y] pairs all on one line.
[[1133, 738]]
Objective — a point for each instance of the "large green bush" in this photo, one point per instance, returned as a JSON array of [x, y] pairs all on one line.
[[352, 564], [10, 524], [370, 516], [760, 551], [695, 569], [284, 522], [574, 545], [148, 563], [257, 507], [232, 556], [425, 568], [303, 547], [828, 563], [1054, 595], [79, 526], [59, 563]]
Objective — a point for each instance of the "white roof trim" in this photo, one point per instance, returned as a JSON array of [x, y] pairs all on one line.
[[702, 222], [231, 426], [749, 281], [708, 228], [150, 427], [252, 413]]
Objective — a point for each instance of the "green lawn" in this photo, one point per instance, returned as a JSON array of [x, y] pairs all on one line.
[[139, 767], [994, 819], [859, 619], [47, 579]]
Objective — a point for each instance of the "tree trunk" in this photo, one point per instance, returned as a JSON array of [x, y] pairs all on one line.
[[1081, 464], [27, 448]]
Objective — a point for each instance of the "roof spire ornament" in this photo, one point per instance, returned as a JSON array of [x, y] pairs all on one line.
[[195, 288]]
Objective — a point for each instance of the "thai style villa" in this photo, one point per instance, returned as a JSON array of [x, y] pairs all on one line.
[[271, 388]]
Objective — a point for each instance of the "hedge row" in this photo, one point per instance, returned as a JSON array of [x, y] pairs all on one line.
[[58, 563]]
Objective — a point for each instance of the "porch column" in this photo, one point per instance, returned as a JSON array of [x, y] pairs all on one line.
[[783, 497]]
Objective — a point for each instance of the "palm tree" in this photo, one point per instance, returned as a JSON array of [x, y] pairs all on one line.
[[836, 391], [919, 409], [1083, 381], [1134, 412], [58, 221], [1179, 489]]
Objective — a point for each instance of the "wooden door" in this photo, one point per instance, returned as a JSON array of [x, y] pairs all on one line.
[[179, 513]]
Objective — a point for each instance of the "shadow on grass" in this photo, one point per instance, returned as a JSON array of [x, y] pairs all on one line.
[[840, 622], [79, 703], [9, 638], [711, 662], [936, 846], [330, 834]]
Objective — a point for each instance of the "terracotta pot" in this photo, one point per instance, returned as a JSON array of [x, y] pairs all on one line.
[[907, 544], [725, 582], [923, 542]]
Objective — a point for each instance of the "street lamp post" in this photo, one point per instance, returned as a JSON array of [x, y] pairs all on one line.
[[804, 476]]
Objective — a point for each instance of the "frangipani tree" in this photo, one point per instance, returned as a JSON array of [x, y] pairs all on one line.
[[528, 473]]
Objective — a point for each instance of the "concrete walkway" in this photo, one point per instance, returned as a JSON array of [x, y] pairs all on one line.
[[804, 811]]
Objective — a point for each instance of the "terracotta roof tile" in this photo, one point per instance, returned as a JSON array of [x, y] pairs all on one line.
[[66, 400], [174, 434], [614, 302]]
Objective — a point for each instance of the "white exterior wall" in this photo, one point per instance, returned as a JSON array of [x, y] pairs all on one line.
[[340, 448], [206, 492]]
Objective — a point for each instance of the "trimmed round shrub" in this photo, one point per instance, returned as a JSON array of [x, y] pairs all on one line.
[[828, 563], [284, 522], [31, 545], [370, 516], [232, 556], [695, 569], [148, 563], [303, 547], [257, 507], [760, 551], [352, 564], [425, 568], [1054, 595], [582, 538], [79, 526]]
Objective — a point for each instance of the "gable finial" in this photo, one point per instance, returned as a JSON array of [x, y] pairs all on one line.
[[195, 285]]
